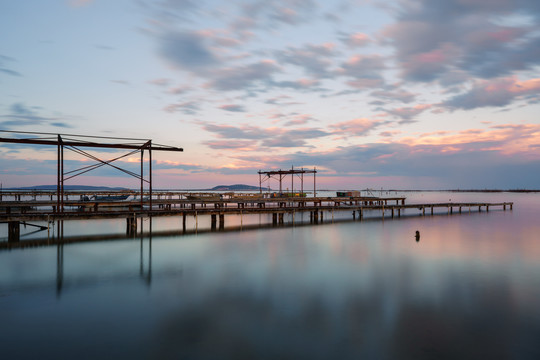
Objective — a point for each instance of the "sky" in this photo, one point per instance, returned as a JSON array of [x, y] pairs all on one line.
[[394, 94]]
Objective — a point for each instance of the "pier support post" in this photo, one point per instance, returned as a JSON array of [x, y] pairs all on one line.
[[274, 218], [354, 215], [392, 213], [423, 210], [221, 221], [14, 231], [281, 218], [213, 221], [183, 221], [131, 225]]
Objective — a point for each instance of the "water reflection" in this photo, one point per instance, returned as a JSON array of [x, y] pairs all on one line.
[[345, 290], [145, 265]]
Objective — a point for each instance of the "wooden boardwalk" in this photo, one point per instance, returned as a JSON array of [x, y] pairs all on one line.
[[16, 212]]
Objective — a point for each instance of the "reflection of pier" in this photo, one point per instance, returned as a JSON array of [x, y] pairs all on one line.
[[145, 266]]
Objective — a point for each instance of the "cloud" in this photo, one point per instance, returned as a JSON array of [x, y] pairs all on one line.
[[238, 145], [243, 77], [407, 114], [436, 39], [267, 137], [394, 95], [299, 120], [314, 59], [476, 162], [21, 115], [186, 107], [10, 72], [233, 108], [355, 127], [495, 93], [188, 51], [4, 69], [274, 14], [162, 82], [356, 40]]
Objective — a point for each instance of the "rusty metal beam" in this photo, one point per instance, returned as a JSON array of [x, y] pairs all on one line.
[[88, 144]]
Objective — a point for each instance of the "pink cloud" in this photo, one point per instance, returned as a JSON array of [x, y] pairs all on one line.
[[355, 127]]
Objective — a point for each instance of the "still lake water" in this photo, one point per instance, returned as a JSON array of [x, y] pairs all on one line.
[[468, 289]]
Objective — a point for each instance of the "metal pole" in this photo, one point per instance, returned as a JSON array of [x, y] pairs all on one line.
[[150, 170], [58, 176], [314, 183], [292, 180], [142, 178], [61, 176], [260, 183], [302, 182]]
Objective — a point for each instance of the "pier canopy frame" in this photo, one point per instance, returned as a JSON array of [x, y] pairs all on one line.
[[281, 174], [76, 143]]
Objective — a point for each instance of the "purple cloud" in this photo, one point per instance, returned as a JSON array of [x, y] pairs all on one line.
[[187, 50], [233, 108]]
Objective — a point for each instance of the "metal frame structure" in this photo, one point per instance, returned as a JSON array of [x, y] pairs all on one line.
[[281, 174], [76, 142]]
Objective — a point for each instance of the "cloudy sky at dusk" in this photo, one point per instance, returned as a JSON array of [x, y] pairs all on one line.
[[430, 94]]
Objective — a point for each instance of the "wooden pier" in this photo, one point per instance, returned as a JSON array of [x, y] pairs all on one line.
[[42, 208]]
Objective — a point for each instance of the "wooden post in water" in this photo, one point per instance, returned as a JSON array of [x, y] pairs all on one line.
[[183, 221], [221, 221], [213, 221]]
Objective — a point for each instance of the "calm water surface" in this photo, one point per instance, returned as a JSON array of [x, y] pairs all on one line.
[[468, 289]]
